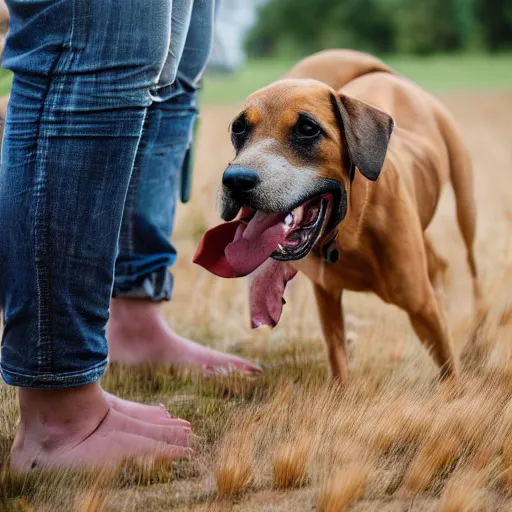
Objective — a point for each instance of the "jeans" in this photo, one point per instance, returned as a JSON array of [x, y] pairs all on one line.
[[100, 117]]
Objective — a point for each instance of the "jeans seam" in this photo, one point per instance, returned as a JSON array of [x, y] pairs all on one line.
[[42, 260], [154, 87], [131, 195], [41, 221], [73, 17], [80, 9], [130, 205]]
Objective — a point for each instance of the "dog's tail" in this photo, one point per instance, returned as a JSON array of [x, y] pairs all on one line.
[[337, 68], [461, 177]]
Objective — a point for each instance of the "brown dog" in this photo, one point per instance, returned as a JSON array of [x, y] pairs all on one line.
[[304, 194]]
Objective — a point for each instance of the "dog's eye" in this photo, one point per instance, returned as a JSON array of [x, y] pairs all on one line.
[[239, 126], [307, 128]]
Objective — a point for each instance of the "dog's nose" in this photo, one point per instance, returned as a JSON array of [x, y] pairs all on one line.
[[239, 178]]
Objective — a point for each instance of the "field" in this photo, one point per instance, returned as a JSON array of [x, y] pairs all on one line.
[[394, 439]]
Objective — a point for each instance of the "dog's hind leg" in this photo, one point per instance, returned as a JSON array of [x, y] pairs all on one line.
[[429, 323], [437, 266], [333, 327], [410, 288]]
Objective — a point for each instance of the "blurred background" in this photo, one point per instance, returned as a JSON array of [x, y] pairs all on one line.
[[442, 44]]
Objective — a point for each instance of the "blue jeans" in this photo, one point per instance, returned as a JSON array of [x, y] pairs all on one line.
[[99, 120]]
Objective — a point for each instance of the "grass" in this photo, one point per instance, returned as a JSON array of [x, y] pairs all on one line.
[[471, 72], [5, 81]]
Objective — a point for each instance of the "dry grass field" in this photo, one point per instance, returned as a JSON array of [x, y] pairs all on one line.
[[393, 440]]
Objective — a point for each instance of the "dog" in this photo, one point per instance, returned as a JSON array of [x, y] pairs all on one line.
[[338, 171]]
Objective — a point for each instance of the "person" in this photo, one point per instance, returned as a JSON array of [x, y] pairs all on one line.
[[4, 12], [99, 120]]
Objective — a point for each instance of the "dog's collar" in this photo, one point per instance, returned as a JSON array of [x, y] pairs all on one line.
[[328, 250], [352, 171]]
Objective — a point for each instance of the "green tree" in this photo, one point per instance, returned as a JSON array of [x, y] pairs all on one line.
[[430, 26], [303, 26], [299, 27], [496, 23]]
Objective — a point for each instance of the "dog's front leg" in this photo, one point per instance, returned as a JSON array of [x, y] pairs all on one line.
[[333, 327]]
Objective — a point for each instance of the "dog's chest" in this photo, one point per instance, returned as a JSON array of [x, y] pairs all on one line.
[[353, 271]]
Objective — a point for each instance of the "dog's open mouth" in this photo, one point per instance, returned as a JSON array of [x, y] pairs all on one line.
[[303, 226], [237, 248], [260, 243]]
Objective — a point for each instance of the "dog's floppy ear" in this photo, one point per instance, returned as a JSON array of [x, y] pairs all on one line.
[[367, 131]]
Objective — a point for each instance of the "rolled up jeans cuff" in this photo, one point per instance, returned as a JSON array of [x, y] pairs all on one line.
[[156, 286], [53, 380]]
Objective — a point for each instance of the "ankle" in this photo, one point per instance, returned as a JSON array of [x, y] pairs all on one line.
[[135, 322], [134, 310], [54, 417]]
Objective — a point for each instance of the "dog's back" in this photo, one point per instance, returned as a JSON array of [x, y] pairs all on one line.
[[337, 68]]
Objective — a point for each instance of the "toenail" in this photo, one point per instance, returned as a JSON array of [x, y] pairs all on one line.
[[162, 406]]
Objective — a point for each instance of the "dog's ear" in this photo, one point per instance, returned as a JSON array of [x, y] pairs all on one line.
[[367, 131]]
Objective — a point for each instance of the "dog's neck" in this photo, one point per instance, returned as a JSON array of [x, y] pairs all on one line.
[[349, 229]]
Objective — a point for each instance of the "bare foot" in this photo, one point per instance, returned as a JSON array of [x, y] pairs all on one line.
[[156, 414], [138, 333], [78, 428]]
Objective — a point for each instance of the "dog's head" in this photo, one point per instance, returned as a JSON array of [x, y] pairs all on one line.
[[297, 142]]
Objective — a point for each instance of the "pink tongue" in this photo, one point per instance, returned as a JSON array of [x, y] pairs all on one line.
[[210, 253], [266, 292], [234, 249], [254, 243]]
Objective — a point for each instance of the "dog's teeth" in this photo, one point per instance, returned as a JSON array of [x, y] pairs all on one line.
[[289, 219], [280, 247]]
